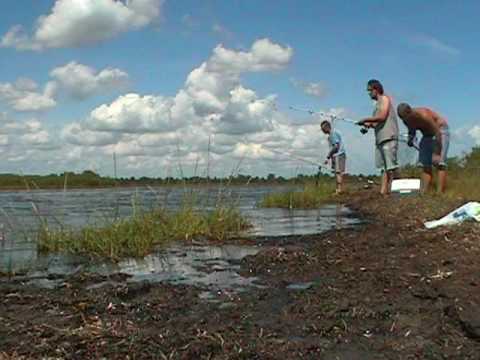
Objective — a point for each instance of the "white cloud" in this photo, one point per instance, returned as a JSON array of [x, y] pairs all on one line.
[[474, 132], [77, 134], [213, 112], [20, 139], [23, 96], [435, 44], [67, 23], [133, 113], [212, 96], [315, 89], [264, 55], [222, 31], [76, 80], [81, 81], [212, 119]]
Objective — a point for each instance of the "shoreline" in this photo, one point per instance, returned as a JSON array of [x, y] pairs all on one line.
[[387, 289]]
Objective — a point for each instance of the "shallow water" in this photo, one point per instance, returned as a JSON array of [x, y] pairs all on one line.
[[213, 267]]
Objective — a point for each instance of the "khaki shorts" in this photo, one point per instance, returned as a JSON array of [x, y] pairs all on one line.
[[339, 164], [386, 155]]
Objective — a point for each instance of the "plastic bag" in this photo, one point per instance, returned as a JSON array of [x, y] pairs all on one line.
[[468, 211]]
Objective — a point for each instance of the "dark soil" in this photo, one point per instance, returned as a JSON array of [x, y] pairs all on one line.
[[389, 289]]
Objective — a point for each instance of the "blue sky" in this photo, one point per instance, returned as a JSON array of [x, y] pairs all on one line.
[[105, 76]]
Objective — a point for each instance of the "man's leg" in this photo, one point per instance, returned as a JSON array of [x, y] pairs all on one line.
[[339, 187], [387, 182], [442, 166], [425, 160], [442, 180], [391, 165], [339, 171], [426, 178]]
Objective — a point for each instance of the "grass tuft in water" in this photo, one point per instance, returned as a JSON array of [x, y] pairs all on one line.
[[312, 196], [140, 234]]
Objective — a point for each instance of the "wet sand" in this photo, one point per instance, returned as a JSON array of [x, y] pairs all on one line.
[[388, 289]]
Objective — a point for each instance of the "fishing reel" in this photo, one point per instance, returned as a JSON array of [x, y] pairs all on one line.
[[364, 130]]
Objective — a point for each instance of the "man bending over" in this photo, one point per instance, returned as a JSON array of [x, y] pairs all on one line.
[[434, 143]]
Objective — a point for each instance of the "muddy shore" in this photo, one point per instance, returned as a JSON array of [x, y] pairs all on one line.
[[388, 289]]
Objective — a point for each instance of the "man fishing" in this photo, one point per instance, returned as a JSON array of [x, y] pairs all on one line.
[[336, 155], [384, 121], [434, 144]]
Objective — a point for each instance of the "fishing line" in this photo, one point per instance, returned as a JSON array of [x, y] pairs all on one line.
[[323, 114], [320, 167]]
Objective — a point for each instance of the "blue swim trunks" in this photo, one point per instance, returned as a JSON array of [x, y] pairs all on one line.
[[427, 148]]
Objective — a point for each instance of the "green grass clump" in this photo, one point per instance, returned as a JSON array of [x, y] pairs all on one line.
[[462, 176], [142, 233], [312, 196]]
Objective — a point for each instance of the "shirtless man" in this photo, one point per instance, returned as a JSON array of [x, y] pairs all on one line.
[[434, 143], [384, 121]]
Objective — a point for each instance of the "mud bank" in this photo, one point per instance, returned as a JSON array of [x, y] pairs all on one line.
[[388, 289]]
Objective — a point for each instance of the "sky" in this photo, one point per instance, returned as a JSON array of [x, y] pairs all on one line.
[[188, 87]]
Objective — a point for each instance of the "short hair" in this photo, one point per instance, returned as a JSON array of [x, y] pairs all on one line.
[[325, 123], [403, 109], [377, 85]]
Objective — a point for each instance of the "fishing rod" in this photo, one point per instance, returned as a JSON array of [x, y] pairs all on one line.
[[320, 167], [323, 114]]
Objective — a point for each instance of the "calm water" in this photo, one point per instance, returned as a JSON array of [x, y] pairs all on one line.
[[211, 266]]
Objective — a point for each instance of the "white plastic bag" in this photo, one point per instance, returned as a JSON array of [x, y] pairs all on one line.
[[468, 211]]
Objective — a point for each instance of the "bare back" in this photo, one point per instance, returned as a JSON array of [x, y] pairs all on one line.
[[426, 120]]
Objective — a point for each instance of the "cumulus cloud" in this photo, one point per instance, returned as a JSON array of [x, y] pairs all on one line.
[[73, 79], [264, 55], [212, 97], [66, 24], [77, 134], [213, 118], [315, 89], [23, 95], [212, 113], [81, 81], [474, 132], [133, 113], [19, 138]]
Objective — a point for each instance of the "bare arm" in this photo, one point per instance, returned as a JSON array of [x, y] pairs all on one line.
[[438, 139], [333, 151], [380, 116], [411, 135], [439, 122]]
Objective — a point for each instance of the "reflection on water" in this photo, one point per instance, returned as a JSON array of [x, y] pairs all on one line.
[[22, 211], [212, 267], [281, 222]]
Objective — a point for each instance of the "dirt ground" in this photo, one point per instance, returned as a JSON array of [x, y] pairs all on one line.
[[388, 289]]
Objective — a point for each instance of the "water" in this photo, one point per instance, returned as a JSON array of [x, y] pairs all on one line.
[[210, 266]]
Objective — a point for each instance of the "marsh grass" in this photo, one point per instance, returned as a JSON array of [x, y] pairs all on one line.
[[463, 176], [312, 196], [143, 232]]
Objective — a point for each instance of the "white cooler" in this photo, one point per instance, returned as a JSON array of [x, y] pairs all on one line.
[[405, 186]]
